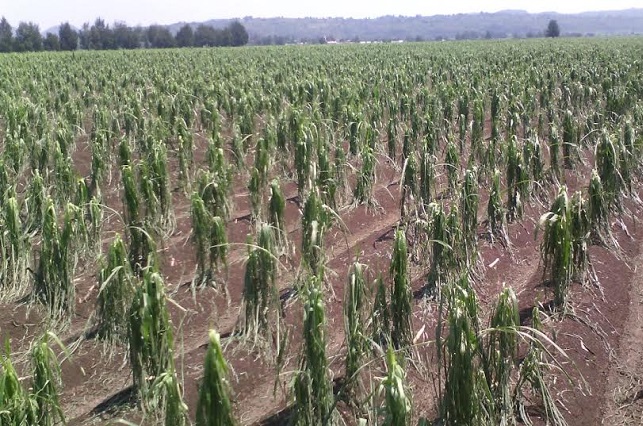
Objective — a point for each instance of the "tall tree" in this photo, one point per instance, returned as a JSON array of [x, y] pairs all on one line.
[[101, 37], [6, 36], [238, 34], [83, 36], [185, 36], [51, 42], [28, 38], [126, 37], [159, 37], [553, 30], [223, 37], [68, 37], [205, 36]]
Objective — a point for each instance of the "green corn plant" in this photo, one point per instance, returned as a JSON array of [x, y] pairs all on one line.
[[115, 294], [439, 236], [447, 250], [124, 153], [156, 191], [513, 181], [607, 165], [554, 153], [254, 189], [94, 215], [469, 209], [150, 337], [477, 131], [14, 252], [401, 310], [53, 285], [314, 222], [99, 166], [353, 132], [18, 407], [363, 193], [627, 163], [167, 399], [494, 156], [276, 215], [499, 354], [201, 229], [185, 141], [599, 213], [132, 218], [569, 140], [260, 295], [409, 184], [496, 216], [303, 156], [391, 138], [452, 165], [397, 407], [341, 180], [214, 407], [427, 172], [406, 144], [36, 196], [381, 315], [214, 188], [238, 148], [580, 228], [76, 235], [354, 301], [462, 130], [556, 249], [64, 178], [532, 374], [312, 387], [462, 401], [536, 165], [325, 177], [45, 383]]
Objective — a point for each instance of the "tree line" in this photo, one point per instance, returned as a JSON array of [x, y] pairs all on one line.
[[102, 36]]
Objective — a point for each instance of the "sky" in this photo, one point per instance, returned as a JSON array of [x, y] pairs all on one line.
[[48, 13]]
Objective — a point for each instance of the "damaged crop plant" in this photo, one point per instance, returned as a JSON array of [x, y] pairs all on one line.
[[314, 226]]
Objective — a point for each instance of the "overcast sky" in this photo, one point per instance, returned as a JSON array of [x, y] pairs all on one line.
[[48, 13]]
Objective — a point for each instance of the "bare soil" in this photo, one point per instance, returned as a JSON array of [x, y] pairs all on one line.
[[602, 334]]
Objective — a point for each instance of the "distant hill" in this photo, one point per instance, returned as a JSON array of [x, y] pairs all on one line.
[[508, 23]]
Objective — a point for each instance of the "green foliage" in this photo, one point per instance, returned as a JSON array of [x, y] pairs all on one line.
[[14, 252], [276, 215], [45, 383], [397, 407], [607, 166], [18, 407], [381, 315], [53, 285], [314, 223], [214, 407], [496, 217], [260, 295], [354, 303], [556, 250], [150, 336], [312, 387], [115, 294], [401, 295]]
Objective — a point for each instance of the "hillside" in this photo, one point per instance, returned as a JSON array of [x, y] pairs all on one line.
[[508, 23]]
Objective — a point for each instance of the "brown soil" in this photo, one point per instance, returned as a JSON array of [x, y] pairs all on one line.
[[601, 337]]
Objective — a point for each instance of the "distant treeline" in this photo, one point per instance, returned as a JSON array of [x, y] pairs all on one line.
[[100, 36]]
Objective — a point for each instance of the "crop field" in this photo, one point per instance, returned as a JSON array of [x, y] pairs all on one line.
[[387, 234]]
